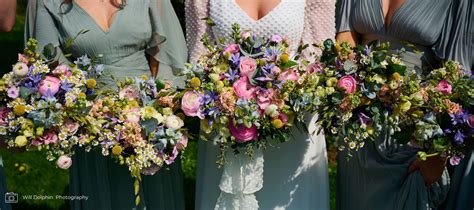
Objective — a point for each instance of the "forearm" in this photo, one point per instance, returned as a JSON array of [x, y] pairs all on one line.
[[347, 36], [7, 15]]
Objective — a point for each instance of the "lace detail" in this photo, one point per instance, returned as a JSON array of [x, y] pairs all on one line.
[[241, 178], [196, 27], [320, 23]]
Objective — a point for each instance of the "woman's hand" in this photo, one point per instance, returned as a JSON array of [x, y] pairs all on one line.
[[154, 66], [431, 169]]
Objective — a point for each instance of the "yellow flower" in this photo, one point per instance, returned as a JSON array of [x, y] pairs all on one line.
[[277, 123], [19, 109], [133, 104], [284, 58], [21, 141], [91, 83], [195, 82], [117, 150], [81, 95], [396, 76], [331, 82], [144, 77], [370, 131], [219, 86]]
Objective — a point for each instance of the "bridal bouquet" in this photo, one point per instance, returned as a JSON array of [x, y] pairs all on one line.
[[137, 125], [247, 91], [361, 92], [42, 107], [447, 126]]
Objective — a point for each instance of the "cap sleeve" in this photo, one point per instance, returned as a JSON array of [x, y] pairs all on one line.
[[196, 27], [41, 25], [319, 21], [167, 44], [457, 38], [343, 18]]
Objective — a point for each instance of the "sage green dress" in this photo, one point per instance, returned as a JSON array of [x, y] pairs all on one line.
[[142, 28], [376, 176]]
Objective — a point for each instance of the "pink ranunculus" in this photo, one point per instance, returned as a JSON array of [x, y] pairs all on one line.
[[244, 89], [348, 83], [22, 58], [247, 66], [444, 87], [49, 86], [47, 138], [64, 162], [470, 121], [13, 92], [20, 69], [289, 74], [314, 68], [232, 49], [283, 118], [129, 92], [191, 104], [276, 38], [63, 70], [264, 97], [243, 134]]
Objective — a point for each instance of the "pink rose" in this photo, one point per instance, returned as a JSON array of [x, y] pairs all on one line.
[[13, 92], [314, 68], [71, 127], [444, 87], [243, 134], [264, 98], [49, 86], [47, 138], [470, 121], [247, 67], [232, 49], [191, 104], [244, 89], [63, 70], [289, 74], [64, 162], [348, 83], [276, 38], [129, 92]]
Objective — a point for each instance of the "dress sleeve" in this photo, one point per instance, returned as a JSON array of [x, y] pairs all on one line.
[[196, 26], [320, 23], [167, 44], [343, 18], [41, 25], [457, 38]]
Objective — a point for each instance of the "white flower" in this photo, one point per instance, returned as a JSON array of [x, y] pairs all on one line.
[[272, 110], [20, 69], [173, 122], [384, 64]]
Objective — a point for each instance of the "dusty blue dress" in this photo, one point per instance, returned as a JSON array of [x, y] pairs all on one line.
[[141, 28], [376, 176]]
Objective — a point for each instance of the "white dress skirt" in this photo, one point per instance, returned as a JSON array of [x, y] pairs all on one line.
[[291, 175]]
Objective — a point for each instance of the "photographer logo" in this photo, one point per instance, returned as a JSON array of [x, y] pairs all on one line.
[[11, 197]]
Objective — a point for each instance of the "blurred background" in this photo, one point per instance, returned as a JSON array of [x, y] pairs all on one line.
[[30, 172]]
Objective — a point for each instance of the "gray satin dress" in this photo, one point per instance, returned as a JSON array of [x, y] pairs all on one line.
[[142, 28], [376, 177]]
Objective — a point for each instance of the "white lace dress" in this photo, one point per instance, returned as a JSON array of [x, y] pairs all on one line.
[[291, 175]]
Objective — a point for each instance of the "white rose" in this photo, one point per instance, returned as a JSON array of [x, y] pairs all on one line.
[[174, 122], [272, 110], [20, 69]]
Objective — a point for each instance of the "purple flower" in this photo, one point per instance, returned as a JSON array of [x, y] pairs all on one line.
[[459, 137], [232, 75], [276, 38], [454, 160], [66, 86], [235, 59], [367, 50], [364, 119], [13, 92]]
